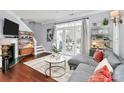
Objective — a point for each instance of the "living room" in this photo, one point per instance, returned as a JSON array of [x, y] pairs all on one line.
[[54, 45]]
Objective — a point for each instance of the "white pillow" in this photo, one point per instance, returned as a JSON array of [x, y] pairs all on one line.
[[102, 64]]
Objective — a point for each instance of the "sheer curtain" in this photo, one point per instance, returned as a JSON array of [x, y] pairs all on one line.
[[85, 37], [116, 38]]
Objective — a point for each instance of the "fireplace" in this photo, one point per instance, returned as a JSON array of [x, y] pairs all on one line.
[[8, 56], [12, 50], [12, 55]]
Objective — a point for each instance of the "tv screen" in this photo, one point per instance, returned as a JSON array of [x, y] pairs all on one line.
[[10, 28]]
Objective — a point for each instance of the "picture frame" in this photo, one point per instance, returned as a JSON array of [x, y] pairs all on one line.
[[50, 33]]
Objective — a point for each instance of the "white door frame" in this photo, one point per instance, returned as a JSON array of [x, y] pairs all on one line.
[[64, 41]]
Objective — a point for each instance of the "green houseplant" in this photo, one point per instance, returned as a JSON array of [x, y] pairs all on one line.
[[105, 22], [54, 48]]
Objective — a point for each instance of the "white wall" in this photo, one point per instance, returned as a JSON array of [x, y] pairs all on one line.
[[98, 18], [36, 29], [46, 44], [9, 15], [40, 32]]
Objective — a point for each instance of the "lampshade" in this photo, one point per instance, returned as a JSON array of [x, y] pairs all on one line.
[[114, 14]]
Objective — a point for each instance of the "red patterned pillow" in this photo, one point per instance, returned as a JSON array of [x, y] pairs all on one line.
[[98, 55], [101, 75], [104, 71]]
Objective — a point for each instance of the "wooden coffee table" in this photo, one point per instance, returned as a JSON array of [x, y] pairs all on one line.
[[55, 59]]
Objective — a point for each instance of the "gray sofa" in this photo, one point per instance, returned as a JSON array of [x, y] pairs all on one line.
[[80, 58], [82, 73], [85, 65]]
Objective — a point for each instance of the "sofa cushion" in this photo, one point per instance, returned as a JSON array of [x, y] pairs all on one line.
[[82, 72], [77, 59], [118, 74], [107, 52], [80, 58], [91, 61], [113, 60]]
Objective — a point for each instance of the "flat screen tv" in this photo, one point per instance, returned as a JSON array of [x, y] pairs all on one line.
[[10, 28]]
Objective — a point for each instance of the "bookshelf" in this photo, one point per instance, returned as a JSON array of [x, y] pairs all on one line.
[[101, 37], [26, 43]]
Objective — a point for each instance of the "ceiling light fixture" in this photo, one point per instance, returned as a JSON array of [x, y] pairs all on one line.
[[115, 16]]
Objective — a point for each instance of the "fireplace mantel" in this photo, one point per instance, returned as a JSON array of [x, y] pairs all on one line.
[[10, 41]]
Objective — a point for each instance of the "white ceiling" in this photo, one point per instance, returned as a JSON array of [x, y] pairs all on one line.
[[50, 15]]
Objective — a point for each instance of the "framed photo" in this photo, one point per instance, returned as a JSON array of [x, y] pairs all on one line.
[[50, 33]]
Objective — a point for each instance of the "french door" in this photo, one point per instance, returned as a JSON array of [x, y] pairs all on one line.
[[69, 39]]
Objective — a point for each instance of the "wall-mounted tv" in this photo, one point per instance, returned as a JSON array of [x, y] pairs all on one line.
[[10, 28]]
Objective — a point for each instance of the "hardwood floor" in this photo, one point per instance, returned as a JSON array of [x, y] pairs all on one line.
[[23, 73]]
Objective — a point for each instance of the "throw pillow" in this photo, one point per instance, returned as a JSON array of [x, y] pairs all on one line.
[[98, 55], [102, 64], [104, 71], [99, 78], [101, 75]]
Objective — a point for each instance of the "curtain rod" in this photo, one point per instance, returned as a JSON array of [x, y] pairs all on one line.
[[71, 20]]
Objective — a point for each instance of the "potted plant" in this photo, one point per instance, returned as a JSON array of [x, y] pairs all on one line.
[[54, 49], [105, 22]]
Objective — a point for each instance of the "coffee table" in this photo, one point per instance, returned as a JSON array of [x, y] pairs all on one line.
[[55, 59]]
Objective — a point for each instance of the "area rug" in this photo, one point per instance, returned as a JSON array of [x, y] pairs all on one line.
[[41, 66]]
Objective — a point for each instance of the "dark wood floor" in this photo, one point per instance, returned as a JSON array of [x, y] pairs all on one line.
[[23, 73]]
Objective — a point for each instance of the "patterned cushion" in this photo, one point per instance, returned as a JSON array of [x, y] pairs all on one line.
[[103, 63], [101, 75]]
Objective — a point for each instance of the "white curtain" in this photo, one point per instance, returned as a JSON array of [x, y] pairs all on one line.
[[53, 42], [85, 37], [116, 38]]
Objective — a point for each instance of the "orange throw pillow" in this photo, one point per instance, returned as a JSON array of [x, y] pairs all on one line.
[[98, 55], [104, 71], [101, 75]]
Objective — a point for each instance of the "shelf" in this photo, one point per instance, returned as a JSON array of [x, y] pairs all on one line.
[[26, 38], [99, 27], [100, 35]]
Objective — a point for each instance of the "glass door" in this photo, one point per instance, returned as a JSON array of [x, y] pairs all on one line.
[[69, 44], [68, 37]]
